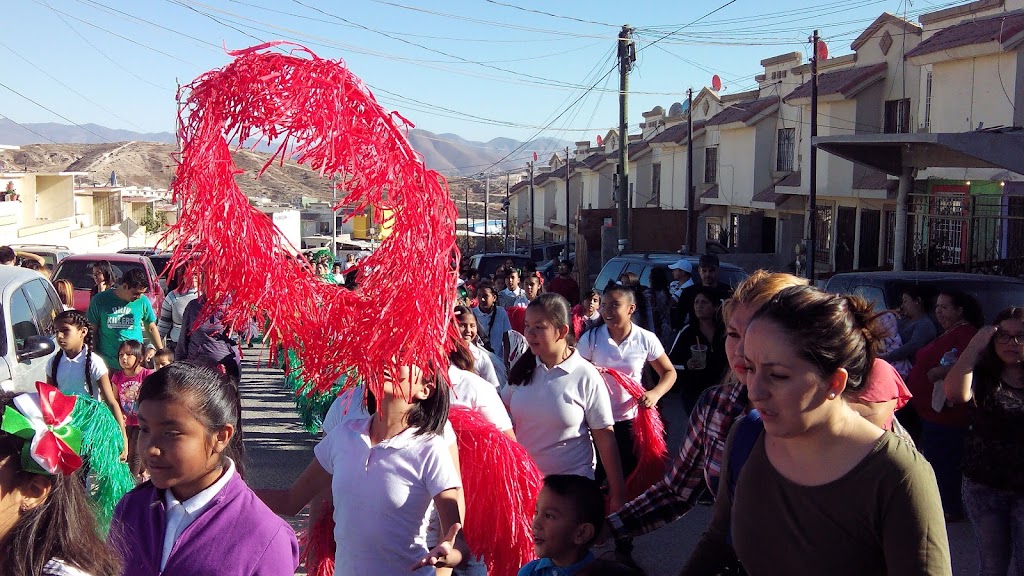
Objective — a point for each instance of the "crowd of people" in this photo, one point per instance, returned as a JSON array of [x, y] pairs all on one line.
[[831, 438]]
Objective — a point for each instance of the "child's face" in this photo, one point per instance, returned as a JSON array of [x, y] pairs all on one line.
[[467, 327], [69, 336], [487, 298], [557, 532], [127, 360], [532, 288], [512, 281], [162, 361], [593, 304], [180, 454]]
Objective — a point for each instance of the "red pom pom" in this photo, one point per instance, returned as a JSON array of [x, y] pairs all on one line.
[[318, 545]]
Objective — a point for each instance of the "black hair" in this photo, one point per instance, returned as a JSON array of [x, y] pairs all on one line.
[[164, 353], [585, 496], [135, 278], [918, 294], [590, 294], [211, 396], [611, 567], [969, 304], [659, 279], [78, 320], [712, 294], [134, 348], [988, 372], [556, 309], [62, 526], [31, 264], [7, 254], [566, 263], [429, 416], [107, 270]]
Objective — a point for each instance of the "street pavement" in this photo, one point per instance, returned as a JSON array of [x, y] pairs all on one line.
[[278, 450]]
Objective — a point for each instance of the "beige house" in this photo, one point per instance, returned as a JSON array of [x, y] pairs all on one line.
[[44, 211]]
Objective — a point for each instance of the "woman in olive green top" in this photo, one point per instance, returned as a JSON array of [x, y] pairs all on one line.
[[821, 490]]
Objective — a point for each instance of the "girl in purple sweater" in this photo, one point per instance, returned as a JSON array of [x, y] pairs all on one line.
[[196, 515]]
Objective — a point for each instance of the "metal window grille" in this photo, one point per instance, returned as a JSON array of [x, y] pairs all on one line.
[[656, 184], [786, 148], [928, 103], [823, 234], [897, 116], [711, 165], [734, 230], [715, 231]]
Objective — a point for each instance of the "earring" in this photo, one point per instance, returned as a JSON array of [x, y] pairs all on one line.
[[831, 395]]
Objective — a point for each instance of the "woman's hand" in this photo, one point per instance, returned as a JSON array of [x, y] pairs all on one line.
[[979, 343], [616, 499], [438, 556]]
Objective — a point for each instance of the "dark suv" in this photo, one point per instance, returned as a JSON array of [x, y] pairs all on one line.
[[641, 264], [884, 289]]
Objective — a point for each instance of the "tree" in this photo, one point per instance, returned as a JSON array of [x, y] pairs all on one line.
[[151, 222]]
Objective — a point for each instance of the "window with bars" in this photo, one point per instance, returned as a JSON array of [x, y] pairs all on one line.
[[656, 184], [928, 103], [711, 165], [786, 148], [897, 116], [734, 230], [715, 231], [823, 234]]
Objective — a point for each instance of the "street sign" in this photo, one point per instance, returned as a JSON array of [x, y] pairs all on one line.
[[128, 227]]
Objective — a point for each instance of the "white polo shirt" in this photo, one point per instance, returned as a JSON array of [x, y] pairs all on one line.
[[71, 374], [483, 365], [473, 392], [492, 326], [382, 494], [638, 348], [554, 413], [349, 406]]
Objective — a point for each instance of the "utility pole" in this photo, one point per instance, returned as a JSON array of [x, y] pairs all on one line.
[[691, 206], [467, 219], [531, 212], [508, 209], [813, 196], [627, 55], [487, 200], [567, 203]]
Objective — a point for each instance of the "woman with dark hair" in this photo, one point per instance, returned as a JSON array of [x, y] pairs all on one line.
[[559, 403], [196, 514], [103, 276], [990, 375], [846, 497], [915, 329], [659, 305], [47, 526], [944, 427], [698, 352]]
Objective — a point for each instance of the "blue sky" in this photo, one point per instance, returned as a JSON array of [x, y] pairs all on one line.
[[519, 69]]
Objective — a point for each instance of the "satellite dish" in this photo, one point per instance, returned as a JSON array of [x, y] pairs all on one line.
[[822, 52], [716, 83]]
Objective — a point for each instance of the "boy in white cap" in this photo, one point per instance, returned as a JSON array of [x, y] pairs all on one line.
[[682, 278]]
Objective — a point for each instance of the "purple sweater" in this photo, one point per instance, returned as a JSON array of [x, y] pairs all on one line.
[[237, 536]]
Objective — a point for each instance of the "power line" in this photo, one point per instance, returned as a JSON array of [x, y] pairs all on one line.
[[723, 6], [543, 13], [28, 129], [70, 89], [55, 113]]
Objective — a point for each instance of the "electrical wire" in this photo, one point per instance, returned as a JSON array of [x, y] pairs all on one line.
[[723, 6], [543, 13], [55, 113], [9, 119]]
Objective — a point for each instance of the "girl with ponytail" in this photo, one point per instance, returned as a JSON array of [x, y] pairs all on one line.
[[77, 370], [805, 353]]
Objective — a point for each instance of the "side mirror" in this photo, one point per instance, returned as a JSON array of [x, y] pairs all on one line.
[[36, 347]]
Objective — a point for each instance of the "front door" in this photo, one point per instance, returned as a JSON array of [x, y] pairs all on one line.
[[870, 232], [846, 222]]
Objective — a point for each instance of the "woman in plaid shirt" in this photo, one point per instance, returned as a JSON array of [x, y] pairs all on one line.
[[700, 457]]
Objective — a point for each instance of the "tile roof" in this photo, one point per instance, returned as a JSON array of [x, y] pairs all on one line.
[[998, 28], [742, 111], [638, 148], [839, 81], [676, 133], [769, 195], [879, 23], [595, 160]]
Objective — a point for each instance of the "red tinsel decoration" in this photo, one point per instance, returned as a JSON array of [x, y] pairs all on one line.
[[501, 484], [319, 113], [317, 542], [648, 438]]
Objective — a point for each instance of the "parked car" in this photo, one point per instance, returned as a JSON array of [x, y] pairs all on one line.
[[78, 270], [51, 253], [885, 289], [159, 258], [488, 264], [29, 305], [543, 253], [641, 264]]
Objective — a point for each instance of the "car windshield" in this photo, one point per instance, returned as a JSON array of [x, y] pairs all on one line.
[[79, 272]]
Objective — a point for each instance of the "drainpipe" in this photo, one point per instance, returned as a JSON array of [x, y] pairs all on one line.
[[900, 242]]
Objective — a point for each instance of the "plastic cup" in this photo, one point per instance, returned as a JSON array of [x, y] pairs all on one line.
[[698, 356]]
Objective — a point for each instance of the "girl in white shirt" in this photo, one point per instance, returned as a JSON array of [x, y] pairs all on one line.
[[559, 403], [77, 370], [621, 345], [485, 363], [384, 472], [492, 320]]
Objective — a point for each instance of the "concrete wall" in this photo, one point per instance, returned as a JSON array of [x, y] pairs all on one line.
[[966, 92], [737, 152]]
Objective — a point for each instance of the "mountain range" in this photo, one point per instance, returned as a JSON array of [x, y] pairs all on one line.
[[447, 153]]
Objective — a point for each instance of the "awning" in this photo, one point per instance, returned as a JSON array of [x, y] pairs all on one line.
[[891, 153]]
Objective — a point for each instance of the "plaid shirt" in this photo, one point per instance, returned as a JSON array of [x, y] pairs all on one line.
[[699, 461]]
